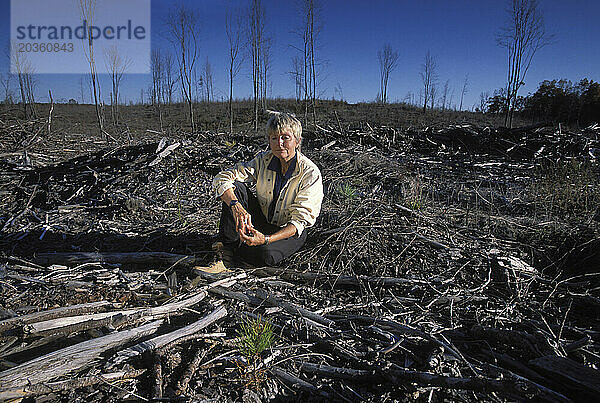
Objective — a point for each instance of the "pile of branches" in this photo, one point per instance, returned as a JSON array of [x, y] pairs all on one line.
[[421, 279], [341, 337], [538, 141]]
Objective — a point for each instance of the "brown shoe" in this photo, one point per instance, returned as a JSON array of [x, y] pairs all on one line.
[[223, 252]]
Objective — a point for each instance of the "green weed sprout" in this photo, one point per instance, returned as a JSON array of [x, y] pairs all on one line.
[[346, 191]]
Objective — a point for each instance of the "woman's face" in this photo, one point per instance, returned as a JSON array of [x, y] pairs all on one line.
[[283, 145]]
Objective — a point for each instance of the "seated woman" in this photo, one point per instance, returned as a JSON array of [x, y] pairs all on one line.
[[269, 227]]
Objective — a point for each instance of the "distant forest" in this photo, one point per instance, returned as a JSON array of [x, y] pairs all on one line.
[[554, 101]]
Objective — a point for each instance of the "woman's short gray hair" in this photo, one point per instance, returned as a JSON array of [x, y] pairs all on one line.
[[282, 122]]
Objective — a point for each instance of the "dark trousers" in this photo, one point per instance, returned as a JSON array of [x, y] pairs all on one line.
[[263, 255]]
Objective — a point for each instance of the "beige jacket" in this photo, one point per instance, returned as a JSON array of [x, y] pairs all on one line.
[[300, 199]]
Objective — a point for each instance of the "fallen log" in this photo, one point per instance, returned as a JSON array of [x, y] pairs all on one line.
[[163, 340], [401, 329], [509, 363], [69, 384], [327, 371], [236, 295], [72, 358], [569, 372], [515, 388], [34, 345], [157, 385], [191, 370], [519, 388], [294, 309], [164, 153], [85, 322], [53, 313], [336, 280], [76, 324], [532, 344], [130, 258], [295, 382]]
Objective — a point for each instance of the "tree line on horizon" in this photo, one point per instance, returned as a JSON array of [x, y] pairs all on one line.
[[554, 101]]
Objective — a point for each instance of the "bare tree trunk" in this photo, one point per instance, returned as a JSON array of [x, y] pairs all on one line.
[[6, 87], [231, 99], [117, 66], [50, 113], [96, 103], [388, 61], [428, 77], [445, 94], [81, 90], [313, 72], [26, 82], [522, 37], [87, 8], [256, 42], [308, 32], [168, 79], [157, 83], [183, 27], [463, 91], [23, 98], [306, 80]]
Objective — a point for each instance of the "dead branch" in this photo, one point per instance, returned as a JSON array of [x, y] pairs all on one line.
[[134, 258], [294, 309], [78, 309], [69, 384], [68, 359], [169, 338], [72, 324]]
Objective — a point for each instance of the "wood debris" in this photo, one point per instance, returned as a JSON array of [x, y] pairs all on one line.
[[438, 270]]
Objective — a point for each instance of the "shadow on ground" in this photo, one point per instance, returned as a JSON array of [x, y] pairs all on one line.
[[159, 240]]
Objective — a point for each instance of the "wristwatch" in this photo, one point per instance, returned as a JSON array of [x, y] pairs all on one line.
[[233, 202], [267, 239]]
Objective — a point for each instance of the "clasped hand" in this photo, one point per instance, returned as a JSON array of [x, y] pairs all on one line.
[[243, 222]]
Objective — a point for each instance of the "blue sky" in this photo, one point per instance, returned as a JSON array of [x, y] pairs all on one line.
[[460, 34]]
